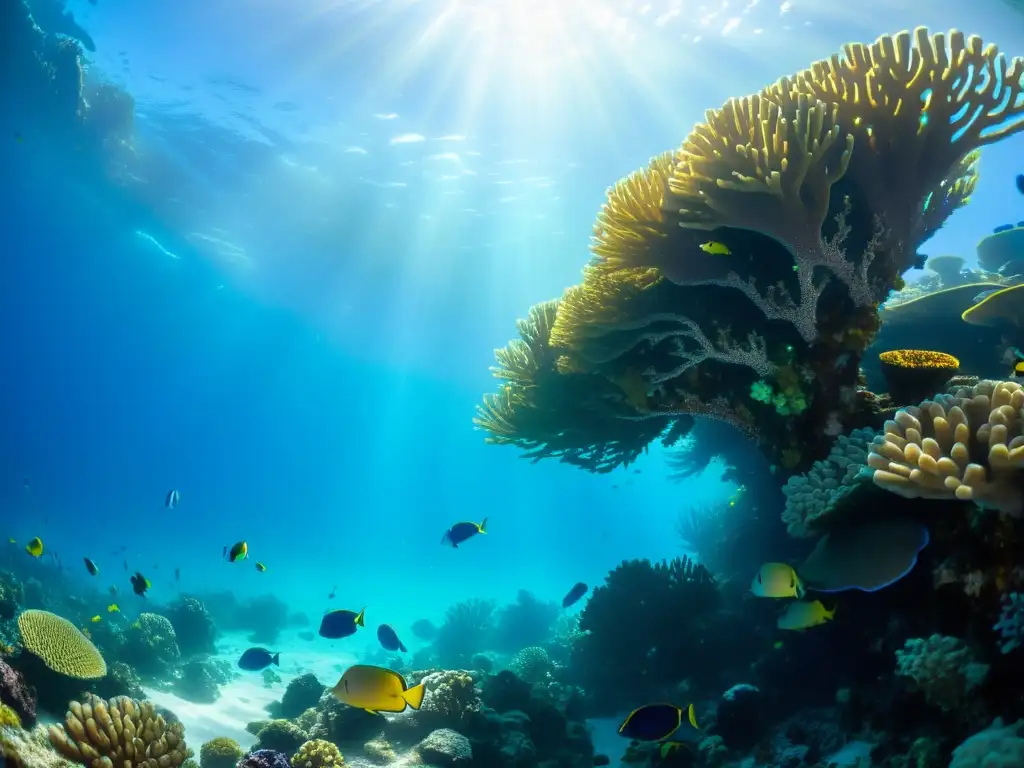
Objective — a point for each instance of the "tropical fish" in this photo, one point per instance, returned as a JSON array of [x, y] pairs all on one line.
[[1018, 369], [803, 615], [113, 608], [389, 638], [1020, 183], [715, 248], [424, 629], [239, 551], [11, 541], [777, 580], [333, 590], [140, 584], [126, 565], [96, 619], [255, 659], [90, 566], [655, 722], [261, 567], [338, 624], [461, 532], [377, 689], [172, 499], [35, 547], [579, 590], [177, 574]]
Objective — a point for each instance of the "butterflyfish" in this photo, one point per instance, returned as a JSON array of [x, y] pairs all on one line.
[[461, 532], [715, 248], [338, 624], [140, 584], [655, 722], [804, 615], [377, 689], [777, 580], [239, 551], [35, 547]]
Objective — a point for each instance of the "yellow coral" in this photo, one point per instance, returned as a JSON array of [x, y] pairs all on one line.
[[9, 718], [120, 732], [920, 358], [317, 753], [60, 645]]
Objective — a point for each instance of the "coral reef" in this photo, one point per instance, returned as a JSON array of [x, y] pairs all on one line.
[[317, 753], [998, 746], [121, 731], [523, 623], [194, 630], [60, 645], [15, 693], [302, 693], [913, 375], [221, 752], [280, 736], [741, 718], [942, 668], [532, 664], [12, 594], [264, 758], [445, 747], [151, 645], [466, 629], [29, 749], [1010, 625]]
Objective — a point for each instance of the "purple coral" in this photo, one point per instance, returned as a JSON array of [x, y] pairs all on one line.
[[264, 758], [15, 693]]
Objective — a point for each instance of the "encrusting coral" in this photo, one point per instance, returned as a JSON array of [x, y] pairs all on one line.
[[758, 252], [967, 446], [60, 645], [120, 732], [317, 753], [913, 375]]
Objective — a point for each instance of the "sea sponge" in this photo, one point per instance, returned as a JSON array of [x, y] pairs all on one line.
[[221, 752], [967, 446], [120, 732], [942, 668], [912, 375], [60, 645], [812, 497], [317, 753]]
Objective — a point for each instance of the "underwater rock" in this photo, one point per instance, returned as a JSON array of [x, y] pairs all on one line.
[[16, 694], [302, 693], [195, 630], [445, 747], [504, 692], [741, 717]]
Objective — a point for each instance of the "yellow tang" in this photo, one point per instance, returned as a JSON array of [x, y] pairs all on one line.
[[95, 619], [377, 689], [35, 547], [804, 615], [1018, 369], [715, 248], [777, 580]]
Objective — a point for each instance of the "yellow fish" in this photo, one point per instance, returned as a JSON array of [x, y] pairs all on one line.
[[377, 689], [777, 580], [1018, 369], [95, 619], [715, 248], [113, 608], [804, 615], [11, 541], [35, 547]]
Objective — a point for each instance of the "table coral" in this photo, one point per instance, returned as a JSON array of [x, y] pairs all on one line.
[[913, 375], [60, 645]]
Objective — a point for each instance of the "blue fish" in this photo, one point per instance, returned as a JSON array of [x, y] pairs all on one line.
[[389, 638], [338, 624], [461, 532], [1020, 183], [256, 659]]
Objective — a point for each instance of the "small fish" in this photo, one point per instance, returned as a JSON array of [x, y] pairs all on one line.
[[377, 689], [1020, 183], [338, 624], [777, 580], [239, 551], [177, 574], [19, 138], [306, 635], [113, 608], [655, 722], [715, 248], [334, 589], [172, 499], [804, 615], [424, 629], [11, 541], [574, 594], [461, 532], [126, 565], [261, 567], [140, 584], [90, 566], [389, 639], [35, 547], [96, 619], [1018, 370], [255, 659]]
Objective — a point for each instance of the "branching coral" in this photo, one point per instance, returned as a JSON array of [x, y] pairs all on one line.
[[60, 645], [942, 668], [812, 497], [967, 446], [121, 732]]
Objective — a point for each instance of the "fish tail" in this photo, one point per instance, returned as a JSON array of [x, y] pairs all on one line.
[[692, 717], [276, 659], [402, 648], [414, 696], [483, 526], [360, 619]]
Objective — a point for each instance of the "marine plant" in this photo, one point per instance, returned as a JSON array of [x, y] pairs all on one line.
[[758, 251], [9, 718], [220, 752]]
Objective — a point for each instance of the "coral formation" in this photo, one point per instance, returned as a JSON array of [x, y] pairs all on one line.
[[998, 746], [450, 697], [221, 752], [29, 749], [942, 668], [302, 693], [151, 645], [913, 375], [280, 736], [194, 630], [317, 753], [967, 446], [264, 758], [445, 747], [60, 645], [525, 622], [1010, 625], [532, 664], [9, 718], [122, 732], [15, 693]]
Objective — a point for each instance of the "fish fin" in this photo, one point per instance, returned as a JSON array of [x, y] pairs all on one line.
[[447, 538], [482, 528], [360, 619], [276, 659], [402, 648], [454, 545], [372, 711], [692, 717], [414, 696]]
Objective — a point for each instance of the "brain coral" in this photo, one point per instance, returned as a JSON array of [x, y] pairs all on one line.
[[121, 732], [60, 645]]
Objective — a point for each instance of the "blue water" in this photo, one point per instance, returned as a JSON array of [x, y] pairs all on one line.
[[282, 299]]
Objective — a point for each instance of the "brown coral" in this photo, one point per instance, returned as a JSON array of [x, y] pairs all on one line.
[[120, 732], [60, 645]]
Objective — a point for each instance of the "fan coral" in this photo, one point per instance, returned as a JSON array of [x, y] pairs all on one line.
[[998, 746], [317, 753], [967, 446], [121, 732], [221, 752], [532, 664], [812, 497], [60, 645], [760, 249], [1011, 622], [942, 668], [912, 375]]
